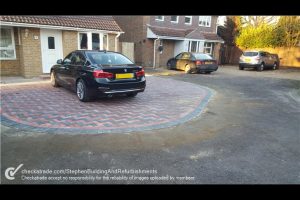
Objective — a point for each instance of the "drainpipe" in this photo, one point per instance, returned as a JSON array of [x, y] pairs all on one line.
[[154, 52], [116, 44]]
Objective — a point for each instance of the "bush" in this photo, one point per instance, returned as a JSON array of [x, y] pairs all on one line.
[[259, 37]]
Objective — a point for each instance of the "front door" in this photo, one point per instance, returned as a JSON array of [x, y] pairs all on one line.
[[51, 45]]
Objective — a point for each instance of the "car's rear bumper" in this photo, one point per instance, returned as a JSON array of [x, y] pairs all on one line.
[[249, 65], [207, 68], [120, 87]]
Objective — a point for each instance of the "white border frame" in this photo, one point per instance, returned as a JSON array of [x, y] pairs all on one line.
[[160, 20], [209, 21]]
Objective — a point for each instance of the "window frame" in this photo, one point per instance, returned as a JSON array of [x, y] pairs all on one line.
[[211, 47], [13, 45], [160, 20], [89, 40], [204, 19], [177, 19], [191, 18]]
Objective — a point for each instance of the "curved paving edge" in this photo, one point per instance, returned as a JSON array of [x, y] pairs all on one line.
[[197, 111]]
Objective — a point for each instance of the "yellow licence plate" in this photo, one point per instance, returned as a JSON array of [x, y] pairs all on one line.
[[248, 59], [208, 62], [122, 76]]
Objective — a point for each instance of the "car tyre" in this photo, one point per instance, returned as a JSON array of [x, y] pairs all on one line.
[[275, 66], [82, 91], [53, 80], [261, 67], [241, 68], [131, 94], [187, 69], [169, 65]]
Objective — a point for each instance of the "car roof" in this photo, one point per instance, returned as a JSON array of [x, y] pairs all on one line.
[[100, 51]]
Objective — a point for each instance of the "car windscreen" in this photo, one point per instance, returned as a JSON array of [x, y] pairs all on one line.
[[108, 58], [200, 56], [250, 53]]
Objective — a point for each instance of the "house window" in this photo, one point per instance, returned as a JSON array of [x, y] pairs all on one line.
[[193, 46], [51, 43], [174, 19], [205, 21], [7, 44], [95, 41], [92, 41], [188, 20], [83, 40], [208, 48], [105, 42], [159, 18]]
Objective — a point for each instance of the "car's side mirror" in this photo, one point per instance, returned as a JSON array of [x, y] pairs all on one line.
[[59, 61], [67, 61]]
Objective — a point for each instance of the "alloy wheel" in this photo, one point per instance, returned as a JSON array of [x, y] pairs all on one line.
[[80, 90]]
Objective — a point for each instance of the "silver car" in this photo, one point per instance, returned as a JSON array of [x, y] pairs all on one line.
[[258, 60]]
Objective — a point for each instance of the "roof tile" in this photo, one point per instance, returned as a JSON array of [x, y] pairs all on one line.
[[78, 21]]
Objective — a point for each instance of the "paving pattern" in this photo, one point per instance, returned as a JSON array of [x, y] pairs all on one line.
[[40, 107]]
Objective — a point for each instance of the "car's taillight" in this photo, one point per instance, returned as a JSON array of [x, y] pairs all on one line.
[[140, 73], [102, 74], [257, 58], [198, 62]]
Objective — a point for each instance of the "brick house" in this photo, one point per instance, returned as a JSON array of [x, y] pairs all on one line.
[[175, 33], [30, 45]]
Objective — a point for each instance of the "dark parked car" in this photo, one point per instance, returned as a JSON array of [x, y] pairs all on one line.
[[98, 73], [193, 62], [259, 60]]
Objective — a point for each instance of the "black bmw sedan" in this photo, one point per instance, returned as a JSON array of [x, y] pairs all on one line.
[[193, 62], [98, 73]]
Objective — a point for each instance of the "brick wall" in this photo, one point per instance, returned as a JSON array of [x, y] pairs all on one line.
[[12, 67], [167, 53], [69, 42], [135, 28], [30, 53], [111, 42]]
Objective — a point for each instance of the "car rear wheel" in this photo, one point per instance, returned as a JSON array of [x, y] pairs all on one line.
[[82, 92], [53, 79], [261, 67], [187, 69], [241, 68], [131, 94]]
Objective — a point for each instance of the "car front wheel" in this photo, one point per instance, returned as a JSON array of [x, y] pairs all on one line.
[[169, 65], [82, 92], [53, 79], [261, 67], [275, 66], [187, 69]]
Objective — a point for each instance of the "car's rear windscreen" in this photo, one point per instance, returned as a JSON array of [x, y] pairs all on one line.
[[200, 56], [108, 58], [249, 53]]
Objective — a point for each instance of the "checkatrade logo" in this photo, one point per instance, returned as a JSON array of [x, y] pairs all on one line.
[[11, 171]]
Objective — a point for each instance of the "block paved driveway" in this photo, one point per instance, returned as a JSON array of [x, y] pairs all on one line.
[[41, 107]]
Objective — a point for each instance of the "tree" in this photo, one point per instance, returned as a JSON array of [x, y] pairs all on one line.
[[256, 21], [288, 27]]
